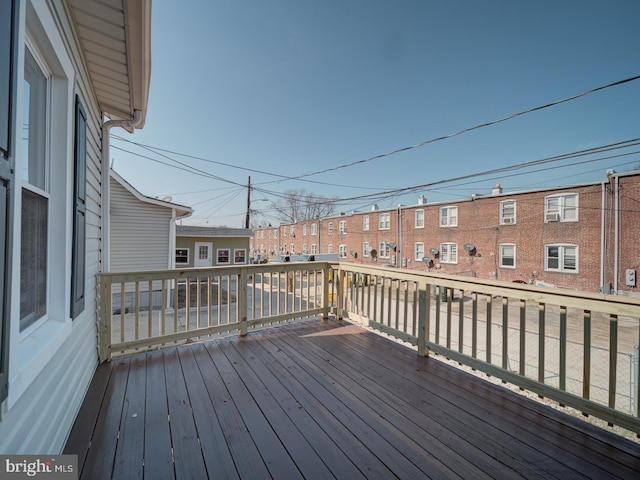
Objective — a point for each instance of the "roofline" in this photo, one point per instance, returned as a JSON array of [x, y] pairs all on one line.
[[186, 211]]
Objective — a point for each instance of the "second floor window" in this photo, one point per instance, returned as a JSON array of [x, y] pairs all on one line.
[[449, 216], [508, 212], [365, 249], [419, 218], [330, 229], [384, 251], [342, 251], [342, 227], [314, 229], [561, 208], [507, 255], [304, 230], [419, 251], [384, 221], [365, 222]]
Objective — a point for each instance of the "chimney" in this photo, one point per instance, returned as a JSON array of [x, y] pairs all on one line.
[[497, 190]]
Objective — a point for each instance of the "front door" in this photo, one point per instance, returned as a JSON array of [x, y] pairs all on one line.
[[203, 254]]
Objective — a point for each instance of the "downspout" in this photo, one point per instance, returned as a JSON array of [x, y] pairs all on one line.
[[617, 235], [106, 190], [602, 235]]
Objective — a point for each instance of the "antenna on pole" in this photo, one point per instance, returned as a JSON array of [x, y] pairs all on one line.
[[246, 222]]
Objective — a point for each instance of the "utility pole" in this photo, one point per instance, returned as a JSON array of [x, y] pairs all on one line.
[[246, 221]]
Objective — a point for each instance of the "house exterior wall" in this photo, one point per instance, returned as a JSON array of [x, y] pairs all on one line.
[[605, 234], [230, 243], [51, 362], [141, 233]]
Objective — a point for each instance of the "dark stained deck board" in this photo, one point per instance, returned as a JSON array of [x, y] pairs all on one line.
[[311, 400], [547, 426], [215, 451], [130, 448], [158, 459]]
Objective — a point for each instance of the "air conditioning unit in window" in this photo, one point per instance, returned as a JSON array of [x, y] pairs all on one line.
[[508, 220], [553, 217]]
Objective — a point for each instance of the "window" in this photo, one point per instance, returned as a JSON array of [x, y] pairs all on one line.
[[223, 256], [304, 230], [330, 228], [561, 208], [314, 229], [330, 248], [240, 255], [342, 251], [507, 255], [365, 222], [561, 258], [304, 248], [419, 251], [314, 248], [384, 250], [292, 231], [292, 249], [448, 253], [182, 256], [449, 216], [365, 249], [384, 221], [35, 195], [419, 219], [342, 227], [508, 212], [78, 247]]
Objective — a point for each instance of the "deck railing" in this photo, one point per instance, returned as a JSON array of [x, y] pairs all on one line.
[[579, 349], [147, 309]]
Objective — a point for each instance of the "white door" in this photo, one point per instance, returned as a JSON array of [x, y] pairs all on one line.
[[203, 252]]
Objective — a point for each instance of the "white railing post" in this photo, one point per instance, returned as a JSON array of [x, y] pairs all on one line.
[[241, 300], [424, 311]]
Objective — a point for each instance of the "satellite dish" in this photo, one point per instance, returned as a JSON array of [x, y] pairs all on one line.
[[354, 253], [434, 251], [427, 260], [168, 198], [469, 247]]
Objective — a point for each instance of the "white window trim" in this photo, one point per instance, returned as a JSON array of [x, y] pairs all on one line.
[[330, 228], [384, 224], [365, 222], [511, 221], [245, 255], [550, 217], [342, 250], [38, 343], [416, 225], [188, 255], [449, 222], [415, 251], [444, 257], [218, 262], [561, 247], [366, 249], [501, 264], [342, 227]]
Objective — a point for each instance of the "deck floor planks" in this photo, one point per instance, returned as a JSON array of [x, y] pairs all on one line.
[[547, 426], [158, 455], [217, 456], [188, 459], [130, 448], [308, 400], [246, 456], [327, 449], [99, 461], [404, 422], [302, 453]]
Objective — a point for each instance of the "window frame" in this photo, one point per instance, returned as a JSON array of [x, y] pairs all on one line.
[[505, 219], [448, 253], [342, 250], [448, 220], [220, 257], [384, 221], [314, 229], [416, 254], [176, 256], [502, 256], [419, 218], [561, 258], [365, 223], [366, 249], [384, 250], [342, 227], [243, 260], [330, 228], [561, 209]]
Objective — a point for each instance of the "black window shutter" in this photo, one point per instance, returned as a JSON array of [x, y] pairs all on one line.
[[79, 212], [8, 55]]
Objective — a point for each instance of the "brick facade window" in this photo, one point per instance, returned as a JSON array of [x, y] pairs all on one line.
[[384, 221], [365, 249], [507, 255], [419, 219], [561, 208], [365, 222], [508, 212], [561, 258], [448, 253], [419, 251], [449, 216]]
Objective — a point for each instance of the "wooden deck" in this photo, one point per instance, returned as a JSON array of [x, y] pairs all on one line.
[[324, 399]]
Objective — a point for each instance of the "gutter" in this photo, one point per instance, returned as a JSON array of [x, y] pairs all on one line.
[[129, 125]]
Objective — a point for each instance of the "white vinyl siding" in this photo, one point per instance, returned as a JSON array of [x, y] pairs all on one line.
[[140, 233]]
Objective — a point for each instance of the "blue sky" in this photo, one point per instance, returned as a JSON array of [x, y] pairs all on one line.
[[284, 88]]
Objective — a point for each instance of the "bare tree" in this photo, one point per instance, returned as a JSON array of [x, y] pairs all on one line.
[[297, 205]]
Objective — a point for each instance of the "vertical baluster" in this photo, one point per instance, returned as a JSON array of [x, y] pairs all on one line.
[[505, 333], [474, 325], [541, 342], [461, 322], [163, 306], [563, 348], [613, 359], [488, 339], [586, 353], [136, 310], [438, 295], [397, 319], [122, 310], [523, 335], [449, 291], [150, 311]]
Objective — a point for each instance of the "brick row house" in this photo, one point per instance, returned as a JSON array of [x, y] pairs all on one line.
[[580, 237]]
